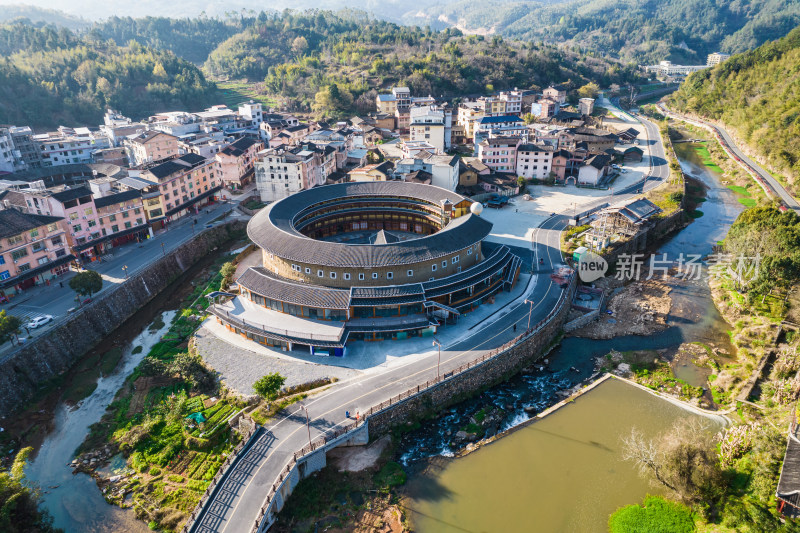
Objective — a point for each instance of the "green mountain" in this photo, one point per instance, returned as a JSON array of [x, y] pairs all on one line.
[[756, 94], [50, 77], [299, 56], [644, 31]]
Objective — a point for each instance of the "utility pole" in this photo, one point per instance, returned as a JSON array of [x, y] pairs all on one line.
[[439, 345], [530, 314], [163, 252], [308, 425]]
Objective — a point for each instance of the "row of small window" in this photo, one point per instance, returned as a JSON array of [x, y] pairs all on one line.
[[16, 239], [23, 252], [389, 275]]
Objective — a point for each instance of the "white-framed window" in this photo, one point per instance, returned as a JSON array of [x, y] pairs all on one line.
[[433, 267], [455, 259], [320, 273], [409, 273], [469, 252], [333, 275], [296, 268], [432, 279], [361, 276], [308, 270], [347, 275], [374, 275], [444, 263], [459, 269], [389, 275]]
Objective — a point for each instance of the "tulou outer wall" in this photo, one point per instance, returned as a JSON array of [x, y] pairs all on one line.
[[23, 372]]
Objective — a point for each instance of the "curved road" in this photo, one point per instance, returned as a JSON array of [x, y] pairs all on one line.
[[241, 491], [773, 184]]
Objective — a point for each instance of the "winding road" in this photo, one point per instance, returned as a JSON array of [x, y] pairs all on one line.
[[776, 187], [235, 504]]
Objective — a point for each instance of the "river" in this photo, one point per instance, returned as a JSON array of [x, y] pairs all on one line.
[[73, 499], [564, 472]]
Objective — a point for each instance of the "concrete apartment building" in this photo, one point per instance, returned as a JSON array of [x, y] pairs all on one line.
[[150, 147], [33, 250], [468, 115], [499, 153], [429, 124], [534, 162], [716, 58], [281, 173], [668, 69], [555, 93], [185, 183], [68, 146], [444, 169]]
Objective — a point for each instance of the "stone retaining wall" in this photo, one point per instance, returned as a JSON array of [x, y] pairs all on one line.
[[48, 356], [463, 385]]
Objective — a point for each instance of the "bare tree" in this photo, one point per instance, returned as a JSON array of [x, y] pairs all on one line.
[[683, 459]]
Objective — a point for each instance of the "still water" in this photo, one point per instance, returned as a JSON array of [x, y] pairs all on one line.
[[564, 472], [74, 499]]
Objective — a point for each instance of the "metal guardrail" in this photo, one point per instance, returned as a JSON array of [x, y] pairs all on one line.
[[277, 331], [322, 441]]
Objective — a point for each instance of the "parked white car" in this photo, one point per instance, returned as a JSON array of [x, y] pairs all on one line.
[[39, 321]]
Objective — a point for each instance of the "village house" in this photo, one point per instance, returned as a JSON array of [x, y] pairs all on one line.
[[534, 162], [186, 183], [235, 162], [443, 169], [150, 147], [33, 250], [594, 170], [556, 93], [377, 172], [499, 153], [502, 183]]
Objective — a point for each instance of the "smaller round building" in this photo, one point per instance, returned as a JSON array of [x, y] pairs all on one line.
[[365, 261]]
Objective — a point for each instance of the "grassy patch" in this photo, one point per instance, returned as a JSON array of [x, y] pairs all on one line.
[[391, 475], [655, 515], [747, 202], [705, 158], [234, 93]]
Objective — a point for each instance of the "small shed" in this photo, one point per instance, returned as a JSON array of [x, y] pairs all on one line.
[[633, 154]]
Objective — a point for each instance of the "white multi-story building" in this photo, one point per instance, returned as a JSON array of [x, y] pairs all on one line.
[[667, 68], [252, 112], [432, 124], [281, 173], [443, 169], [716, 58], [534, 161], [7, 158], [68, 145]]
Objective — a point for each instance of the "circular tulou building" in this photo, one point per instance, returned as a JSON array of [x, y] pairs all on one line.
[[365, 261]]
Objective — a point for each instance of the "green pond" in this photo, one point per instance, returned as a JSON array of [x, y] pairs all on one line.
[[567, 472]]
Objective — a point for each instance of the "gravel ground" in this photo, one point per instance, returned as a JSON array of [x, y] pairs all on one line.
[[239, 368]]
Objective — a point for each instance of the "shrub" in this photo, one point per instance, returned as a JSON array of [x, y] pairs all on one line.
[[175, 478], [655, 515]]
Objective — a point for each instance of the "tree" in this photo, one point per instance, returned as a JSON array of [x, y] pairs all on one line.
[[86, 283], [299, 46], [590, 90], [19, 504], [268, 386], [521, 182], [190, 368], [9, 326], [684, 460], [228, 270], [529, 118]]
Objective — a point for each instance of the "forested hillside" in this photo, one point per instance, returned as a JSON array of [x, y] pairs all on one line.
[[757, 94], [50, 77], [301, 56], [637, 30]]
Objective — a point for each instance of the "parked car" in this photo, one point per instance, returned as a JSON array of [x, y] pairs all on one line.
[[39, 321], [86, 301]]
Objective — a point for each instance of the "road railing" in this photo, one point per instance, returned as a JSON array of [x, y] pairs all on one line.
[[325, 440], [242, 323]]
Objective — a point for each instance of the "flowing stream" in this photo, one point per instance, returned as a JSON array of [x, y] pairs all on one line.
[[74, 499], [565, 472]]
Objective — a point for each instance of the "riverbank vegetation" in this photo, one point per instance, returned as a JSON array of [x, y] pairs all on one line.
[[19, 503], [754, 95], [758, 388]]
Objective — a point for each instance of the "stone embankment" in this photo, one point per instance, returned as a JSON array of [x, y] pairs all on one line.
[[48, 356]]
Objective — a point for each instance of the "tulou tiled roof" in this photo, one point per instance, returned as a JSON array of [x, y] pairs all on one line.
[[262, 281], [273, 228]]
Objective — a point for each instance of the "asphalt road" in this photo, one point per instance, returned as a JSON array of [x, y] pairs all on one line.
[[241, 491], [774, 184]]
